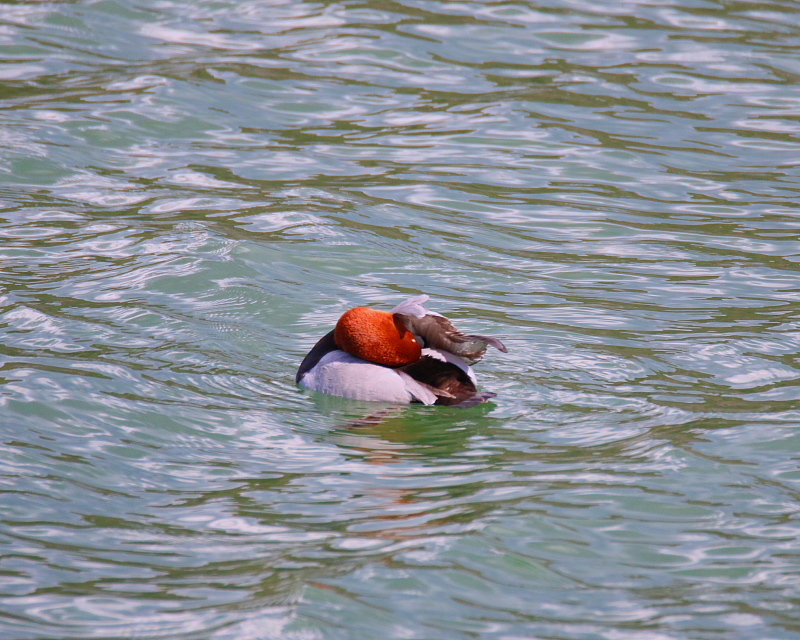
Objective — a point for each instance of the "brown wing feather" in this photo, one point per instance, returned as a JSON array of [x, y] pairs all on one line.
[[439, 333], [449, 382]]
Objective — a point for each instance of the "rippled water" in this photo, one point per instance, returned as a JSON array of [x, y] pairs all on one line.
[[192, 192]]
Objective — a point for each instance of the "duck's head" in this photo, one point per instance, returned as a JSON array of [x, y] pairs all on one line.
[[377, 336]]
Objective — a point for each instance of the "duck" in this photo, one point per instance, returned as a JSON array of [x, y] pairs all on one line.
[[407, 355]]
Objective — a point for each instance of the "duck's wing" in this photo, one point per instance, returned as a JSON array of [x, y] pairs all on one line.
[[420, 391], [439, 333], [451, 384]]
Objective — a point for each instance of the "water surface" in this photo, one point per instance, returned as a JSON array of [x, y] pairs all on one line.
[[192, 193]]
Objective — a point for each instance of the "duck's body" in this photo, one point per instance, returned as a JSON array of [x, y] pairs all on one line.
[[407, 355]]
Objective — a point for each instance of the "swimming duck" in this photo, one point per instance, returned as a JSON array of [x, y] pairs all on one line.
[[408, 354]]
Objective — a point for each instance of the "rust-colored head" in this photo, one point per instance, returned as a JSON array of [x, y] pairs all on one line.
[[377, 336]]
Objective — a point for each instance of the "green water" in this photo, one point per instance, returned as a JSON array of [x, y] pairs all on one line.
[[192, 192]]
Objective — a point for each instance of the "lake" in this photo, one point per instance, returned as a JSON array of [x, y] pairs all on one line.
[[191, 193]]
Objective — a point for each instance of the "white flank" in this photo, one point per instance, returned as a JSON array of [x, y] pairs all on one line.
[[342, 374]]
